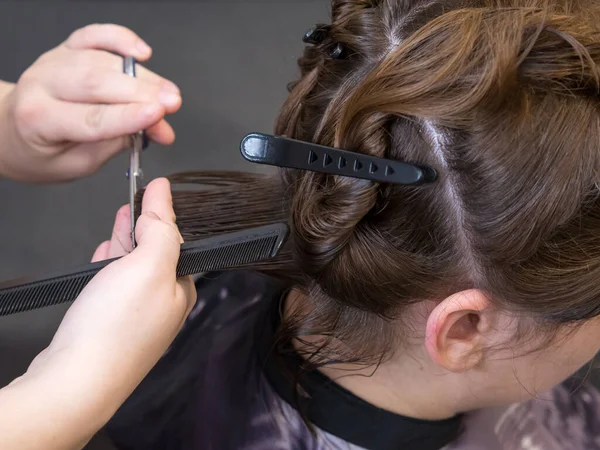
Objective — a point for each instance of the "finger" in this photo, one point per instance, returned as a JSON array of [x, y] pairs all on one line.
[[115, 63], [161, 133], [141, 72], [120, 241], [110, 37], [101, 252], [96, 154], [100, 85], [156, 233], [98, 59], [159, 201], [146, 74], [87, 158], [78, 122]]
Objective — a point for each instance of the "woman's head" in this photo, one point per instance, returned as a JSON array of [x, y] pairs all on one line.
[[502, 98]]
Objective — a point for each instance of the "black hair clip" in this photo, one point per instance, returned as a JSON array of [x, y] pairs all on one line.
[[316, 34], [282, 152]]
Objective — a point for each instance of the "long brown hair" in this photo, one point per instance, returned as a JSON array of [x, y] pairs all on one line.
[[501, 98]]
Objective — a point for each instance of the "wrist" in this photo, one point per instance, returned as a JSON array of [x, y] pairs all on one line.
[[86, 396], [53, 402]]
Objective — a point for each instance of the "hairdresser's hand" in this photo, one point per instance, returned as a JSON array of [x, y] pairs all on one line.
[[114, 333], [129, 314], [73, 108]]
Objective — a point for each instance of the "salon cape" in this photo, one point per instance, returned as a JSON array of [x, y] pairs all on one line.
[[222, 385]]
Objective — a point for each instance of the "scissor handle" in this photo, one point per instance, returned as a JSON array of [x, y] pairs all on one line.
[[129, 63]]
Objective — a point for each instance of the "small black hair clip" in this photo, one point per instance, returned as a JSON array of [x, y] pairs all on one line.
[[293, 154], [316, 34]]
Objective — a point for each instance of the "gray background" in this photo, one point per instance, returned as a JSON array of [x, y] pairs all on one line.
[[232, 61]]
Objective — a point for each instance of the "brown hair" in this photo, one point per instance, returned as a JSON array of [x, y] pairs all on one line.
[[502, 99]]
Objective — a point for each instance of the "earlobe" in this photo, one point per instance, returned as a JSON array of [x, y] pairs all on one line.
[[455, 328]]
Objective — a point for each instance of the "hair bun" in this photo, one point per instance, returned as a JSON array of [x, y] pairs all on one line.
[[325, 212]]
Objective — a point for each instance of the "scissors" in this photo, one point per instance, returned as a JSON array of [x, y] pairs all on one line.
[[138, 141]]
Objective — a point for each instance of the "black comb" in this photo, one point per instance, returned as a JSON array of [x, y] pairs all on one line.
[[282, 152], [226, 251]]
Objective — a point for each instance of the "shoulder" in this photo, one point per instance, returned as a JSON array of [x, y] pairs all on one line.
[[563, 419]]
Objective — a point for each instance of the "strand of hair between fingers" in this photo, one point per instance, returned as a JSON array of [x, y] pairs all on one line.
[[439, 143]]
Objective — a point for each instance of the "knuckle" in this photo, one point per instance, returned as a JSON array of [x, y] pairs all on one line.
[[94, 119], [73, 37], [169, 231], [27, 113], [77, 36], [99, 32], [149, 217], [91, 79], [28, 76], [84, 35], [119, 32], [45, 57]]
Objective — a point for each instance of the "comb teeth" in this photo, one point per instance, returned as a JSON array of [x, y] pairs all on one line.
[[215, 253], [230, 256], [43, 293]]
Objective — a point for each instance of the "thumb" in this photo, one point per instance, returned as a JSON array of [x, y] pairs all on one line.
[[156, 232]]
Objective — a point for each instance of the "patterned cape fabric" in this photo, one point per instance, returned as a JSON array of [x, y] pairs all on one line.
[[209, 392]]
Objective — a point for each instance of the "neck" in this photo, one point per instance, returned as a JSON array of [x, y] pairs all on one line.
[[408, 384]]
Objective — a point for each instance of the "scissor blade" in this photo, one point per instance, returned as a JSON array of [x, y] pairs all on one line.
[[135, 179]]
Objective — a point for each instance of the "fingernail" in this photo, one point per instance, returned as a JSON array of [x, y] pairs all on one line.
[[143, 48], [169, 98]]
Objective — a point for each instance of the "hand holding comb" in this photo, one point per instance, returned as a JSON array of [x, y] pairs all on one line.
[[221, 252]]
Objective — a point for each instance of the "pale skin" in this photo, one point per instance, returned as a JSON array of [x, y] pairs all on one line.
[[72, 110], [464, 357], [67, 115]]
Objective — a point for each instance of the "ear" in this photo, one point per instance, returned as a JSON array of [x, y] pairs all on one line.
[[456, 330]]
